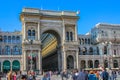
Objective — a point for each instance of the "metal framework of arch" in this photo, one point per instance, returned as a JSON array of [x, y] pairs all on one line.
[[90, 64], [96, 63], [83, 64], [70, 62], [6, 66], [51, 51], [115, 64], [15, 65]]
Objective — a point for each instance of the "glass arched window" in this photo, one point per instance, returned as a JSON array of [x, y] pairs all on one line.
[[5, 39], [7, 50], [114, 52], [90, 64], [83, 64], [105, 49], [71, 36], [80, 40], [33, 34], [115, 64], [67, 36], [1, 38], [91, 51], [79, 50], [96, 64], [29, 34], [9, 39], [84, 51], [18, 39], [13, 39], [20, 50], [106, 64], [85, 41], [15, 50], [88, 41], [97, 51], [0, 50]]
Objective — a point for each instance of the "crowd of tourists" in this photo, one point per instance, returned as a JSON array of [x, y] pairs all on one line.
[[91, 74], [66, 75]]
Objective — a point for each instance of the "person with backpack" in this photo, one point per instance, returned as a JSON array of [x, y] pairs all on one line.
[[105, 75]]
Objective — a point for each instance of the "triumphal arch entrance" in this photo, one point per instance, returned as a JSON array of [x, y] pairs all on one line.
[[49, 39]]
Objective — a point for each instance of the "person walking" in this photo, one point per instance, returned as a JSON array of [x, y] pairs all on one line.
[[92, 76], [105, 75]]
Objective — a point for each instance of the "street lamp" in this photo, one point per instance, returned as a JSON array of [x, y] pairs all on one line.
[[31, 42], [107, 53]]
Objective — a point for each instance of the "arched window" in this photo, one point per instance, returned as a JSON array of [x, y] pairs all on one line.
[[67, 36], [79, 50], [29, 34], [70, 62], [115, 64], [15, 50], [0, 50], [9, 39], [88, 41], [91, 51], [18, 39], [20, 50], [114, 52], [7, 50], [85, 41], [105, 49], [84, 50], [96, 64], [80, 40], [5, 39], [33, 34], [71, 36], [90, 64], [13, 39], [97, 51], [1, 38], [83, 64], [106, 64]]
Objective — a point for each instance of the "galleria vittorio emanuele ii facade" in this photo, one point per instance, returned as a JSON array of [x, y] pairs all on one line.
[[49, 41]]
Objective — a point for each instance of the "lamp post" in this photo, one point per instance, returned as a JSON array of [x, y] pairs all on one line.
[[31, 42], [108, 54]]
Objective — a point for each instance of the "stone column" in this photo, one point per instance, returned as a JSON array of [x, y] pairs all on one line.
[[24, 60], [38, 30], [77, 56], [76, 32], [86, 61], [63, 60], [39, 60], [63, 31], [59, 60], [24, 31]]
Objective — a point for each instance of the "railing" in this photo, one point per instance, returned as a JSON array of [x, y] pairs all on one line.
[[47, 12]]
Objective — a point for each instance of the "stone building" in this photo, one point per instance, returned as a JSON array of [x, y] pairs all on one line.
[[49, 41]]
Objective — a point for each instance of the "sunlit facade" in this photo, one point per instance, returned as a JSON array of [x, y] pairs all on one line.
[[49, 41]]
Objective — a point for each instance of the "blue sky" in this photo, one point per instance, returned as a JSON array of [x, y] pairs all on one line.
[[91, 12]]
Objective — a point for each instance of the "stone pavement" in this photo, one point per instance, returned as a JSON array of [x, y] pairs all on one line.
[[54, 77]]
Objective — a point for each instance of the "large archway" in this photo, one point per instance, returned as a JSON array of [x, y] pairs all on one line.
[[50, 50]]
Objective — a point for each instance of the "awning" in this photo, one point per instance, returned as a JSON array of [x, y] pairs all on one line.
[[6, 65], [16, 65]]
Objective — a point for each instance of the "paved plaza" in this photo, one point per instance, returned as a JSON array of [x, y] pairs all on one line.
[[54, 77]]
